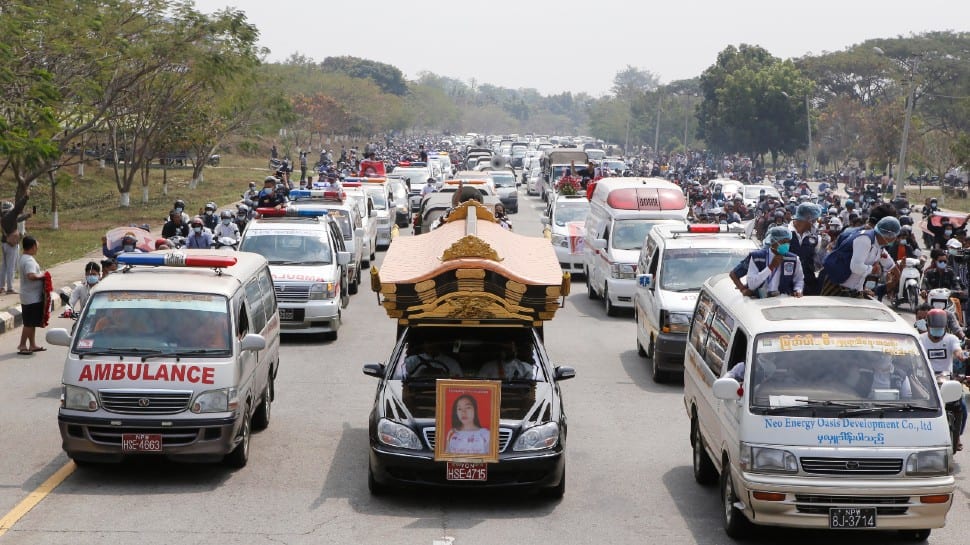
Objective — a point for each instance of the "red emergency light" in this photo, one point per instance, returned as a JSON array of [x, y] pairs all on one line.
[[704, 228], [646, 198], [177, 259]]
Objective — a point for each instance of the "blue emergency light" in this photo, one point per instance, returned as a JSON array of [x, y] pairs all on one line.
[[176, 259]]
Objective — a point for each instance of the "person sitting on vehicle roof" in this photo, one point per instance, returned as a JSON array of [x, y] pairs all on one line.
[[129, 244], [269, 197], [502, 217], [773, 270]]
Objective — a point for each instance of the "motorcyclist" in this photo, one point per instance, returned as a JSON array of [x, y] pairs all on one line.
[[242, 217], [848, 208], [900, 202], [209, 217], [931, 206], [941, 349], [269, 197], [199, 237], [175, 227], [179, 206], [226, 227], [251, 195], [939, 274]]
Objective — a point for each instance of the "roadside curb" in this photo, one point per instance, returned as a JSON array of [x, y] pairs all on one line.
[[12, 317]]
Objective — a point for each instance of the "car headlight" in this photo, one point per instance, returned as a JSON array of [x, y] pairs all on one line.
[[323, 290], [216, 401], [675, 322], [560, 240], [769, 460], [623, 270], [928, 462], [394, 434], [538, 437], [78, 399]]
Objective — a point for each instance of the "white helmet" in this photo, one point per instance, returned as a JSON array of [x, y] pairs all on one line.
[[938, 298], [953, 244]]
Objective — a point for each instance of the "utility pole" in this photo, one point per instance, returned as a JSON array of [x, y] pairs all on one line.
[[901, 168], [656, 134], [686, 119], [808, 124]]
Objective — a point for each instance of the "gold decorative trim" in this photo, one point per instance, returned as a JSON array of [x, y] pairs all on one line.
[[515, 287], [465, 274], [471, 306], [375, 280], [460, 212], [470, 246], [553, 291], [424, 286]]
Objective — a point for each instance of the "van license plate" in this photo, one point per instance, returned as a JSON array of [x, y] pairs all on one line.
[[463, 471], [844, 517], [286, 314], [141, 442]]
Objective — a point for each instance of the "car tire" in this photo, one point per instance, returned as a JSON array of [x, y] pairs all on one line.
[[354, 286], [640, 351], [610, 308], [590, 291], [264, 411], [373, 255], [650, 347], [656, 374], [704, 471], [375, 488], [915, 536], [736, 525], [364, 264], [239, 456]]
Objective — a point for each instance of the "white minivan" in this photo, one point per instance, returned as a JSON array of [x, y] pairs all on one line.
[[674, 262], [621, 213], [176, 354], [816, 412]]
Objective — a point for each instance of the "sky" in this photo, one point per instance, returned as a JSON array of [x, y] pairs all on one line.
[[577, 46]]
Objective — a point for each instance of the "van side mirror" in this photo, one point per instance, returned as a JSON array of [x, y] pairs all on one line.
[[545, 219], [252, 341], [645, 281], [58, 337], [565, 373], [727, 389], [374, 370], [950, 390], [359, 232], [599, 243], [343, 258], [372, 214]]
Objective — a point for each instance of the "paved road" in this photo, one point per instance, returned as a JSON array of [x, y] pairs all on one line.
[[629, 473]]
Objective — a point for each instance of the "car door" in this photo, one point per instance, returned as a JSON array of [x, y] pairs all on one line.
[[651, 304]]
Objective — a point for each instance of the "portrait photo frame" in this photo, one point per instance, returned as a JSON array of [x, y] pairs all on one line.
[[473, 439]]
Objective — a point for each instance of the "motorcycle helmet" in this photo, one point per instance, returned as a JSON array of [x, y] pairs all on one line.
[[226, 215], [179, 205], [906, 220], [936, 322], [242, 209], [210, 206], [849, 203], [939, 298]]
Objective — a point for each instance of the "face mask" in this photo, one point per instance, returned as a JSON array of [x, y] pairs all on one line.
[[197, 230], [948, 232], [941, 264], [241, 216], [951, 251], [933, 205], [783, 248], [178, 210], [208, 212], [904, 242], [92, 279], [920, 325], [226, 221], [128, 248], [936, 331]]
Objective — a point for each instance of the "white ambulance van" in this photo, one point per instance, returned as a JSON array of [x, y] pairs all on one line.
[[175, 354], [621, 213], [816, 412]]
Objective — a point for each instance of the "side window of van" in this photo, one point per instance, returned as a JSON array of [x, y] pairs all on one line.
[[654, 261], [717, 340], [701, 324], [268, 293], [254, 299], [242, 328], [739, 349]]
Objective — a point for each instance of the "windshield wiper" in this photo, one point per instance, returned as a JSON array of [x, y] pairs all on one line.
[[883, 407], [285, 262], [179, 354], [116, 352], [810, 404]]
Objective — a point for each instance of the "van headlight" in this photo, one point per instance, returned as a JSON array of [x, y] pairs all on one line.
[[78, 399], [767, 460], [216, 401], [928, 462], [394, 434], [538, 437], [323, 290], [560, 240], [674, 322], [623, 270]]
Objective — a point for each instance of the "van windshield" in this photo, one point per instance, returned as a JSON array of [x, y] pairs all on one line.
[[286, 247], [629, 234], [850, 374], [686, 269], [139, 321], [566, 213]]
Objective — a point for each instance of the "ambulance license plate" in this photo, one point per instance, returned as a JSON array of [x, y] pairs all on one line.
[[286, 314], [141, 442], [845, 517], [464, 471]]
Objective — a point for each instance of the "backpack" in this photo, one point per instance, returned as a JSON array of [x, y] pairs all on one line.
[[836, 264]]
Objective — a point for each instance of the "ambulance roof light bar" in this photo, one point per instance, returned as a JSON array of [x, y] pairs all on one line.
[[326, 194], [290, 212], [175, 259], [364, 180], [709, 228]]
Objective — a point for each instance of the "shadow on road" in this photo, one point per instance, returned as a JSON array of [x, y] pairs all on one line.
[[145, 475], [639, 369]]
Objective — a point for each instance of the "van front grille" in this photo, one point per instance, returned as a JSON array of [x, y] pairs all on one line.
[[292, 293], [820, 504], [504, 434], [144, 402], [852, 466]]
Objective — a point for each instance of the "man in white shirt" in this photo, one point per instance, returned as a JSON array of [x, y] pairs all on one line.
[[774, 270], [940, 347]]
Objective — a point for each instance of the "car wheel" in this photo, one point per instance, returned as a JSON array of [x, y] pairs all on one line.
[[354, 286], [375, 488], [610, 308], [239, 456], [364, 264], [265, 410], [373, 255], [640, 351], [916, 536], [736, 525], [590, 292], [650, 347], [656, 373], [704, 471]]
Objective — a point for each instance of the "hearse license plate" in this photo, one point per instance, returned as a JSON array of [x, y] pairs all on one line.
[[464, 471], [141, 442], [286, 314], [844, 517]]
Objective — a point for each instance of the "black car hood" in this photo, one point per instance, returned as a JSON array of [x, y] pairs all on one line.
[[415, 400]]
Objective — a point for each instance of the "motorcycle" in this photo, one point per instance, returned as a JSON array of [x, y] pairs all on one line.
[[909, 280], [225, 243], [954, 410]]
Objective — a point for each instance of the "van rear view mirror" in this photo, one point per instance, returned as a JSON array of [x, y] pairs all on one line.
[[58, 337], [599, 243], [252, 341], [950, 391], [727, 389], [343, 258]]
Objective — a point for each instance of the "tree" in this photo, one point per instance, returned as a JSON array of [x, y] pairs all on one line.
[[632, 82], [390, 79]]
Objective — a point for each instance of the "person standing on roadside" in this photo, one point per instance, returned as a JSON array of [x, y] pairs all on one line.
[[10, 215], [31, 297]]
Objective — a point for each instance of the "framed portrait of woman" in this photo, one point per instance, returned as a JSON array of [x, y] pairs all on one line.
[[467, 420]]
